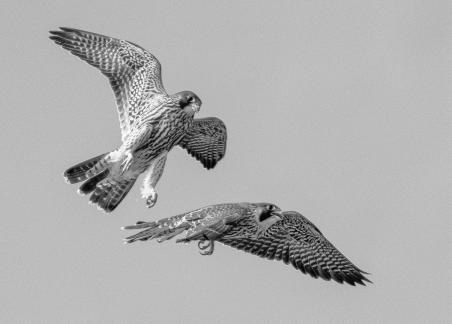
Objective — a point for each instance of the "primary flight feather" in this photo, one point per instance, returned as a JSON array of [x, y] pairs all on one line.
[[152, 122]]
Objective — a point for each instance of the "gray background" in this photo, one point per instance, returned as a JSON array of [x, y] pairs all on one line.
[[340, 110]]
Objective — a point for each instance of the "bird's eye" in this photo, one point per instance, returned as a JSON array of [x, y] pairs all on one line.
[[190, 99], [264, 215], [270, 207]]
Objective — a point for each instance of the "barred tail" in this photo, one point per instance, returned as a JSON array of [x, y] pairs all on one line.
[[109, 191], [89, 185], [86, 169], [163, 229]]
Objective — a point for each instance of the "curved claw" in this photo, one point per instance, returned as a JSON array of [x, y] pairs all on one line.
[[206, 245], [151, 200]]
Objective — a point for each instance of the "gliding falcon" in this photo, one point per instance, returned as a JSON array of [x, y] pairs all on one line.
[[152, 121], [261, 229]]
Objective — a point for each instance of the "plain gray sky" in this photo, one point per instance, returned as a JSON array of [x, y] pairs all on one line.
[[339, 110]]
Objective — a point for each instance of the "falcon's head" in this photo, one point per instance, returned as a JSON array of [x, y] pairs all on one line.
[[189, 102]]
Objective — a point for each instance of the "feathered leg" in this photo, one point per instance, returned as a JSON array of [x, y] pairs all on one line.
[[152, 177], [134, 141], [86, 169]]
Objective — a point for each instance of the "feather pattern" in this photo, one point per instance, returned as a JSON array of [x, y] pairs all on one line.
[[133, 72], [152, 121], [294, 239], [206, 141], [260, 229]]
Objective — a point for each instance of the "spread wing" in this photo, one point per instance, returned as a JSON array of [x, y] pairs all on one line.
[[133, 72], [206, 141], [296, 240]]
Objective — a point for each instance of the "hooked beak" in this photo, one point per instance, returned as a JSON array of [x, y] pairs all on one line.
[[196, 107], [277, 212]]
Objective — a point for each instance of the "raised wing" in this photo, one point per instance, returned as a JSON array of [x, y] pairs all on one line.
[[206, 141], [133, 72], [296, 240]]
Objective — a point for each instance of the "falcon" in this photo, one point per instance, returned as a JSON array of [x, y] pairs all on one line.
[[258, 228], [152, 121]]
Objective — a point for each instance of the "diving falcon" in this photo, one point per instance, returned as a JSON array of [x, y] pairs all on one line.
[[258, 228], [152, 121]]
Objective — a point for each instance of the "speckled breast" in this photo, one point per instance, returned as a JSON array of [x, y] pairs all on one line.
[[168, 129]]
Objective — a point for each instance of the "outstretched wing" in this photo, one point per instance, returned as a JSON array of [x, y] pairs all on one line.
[[296, 240], [206, 141], [133, 72]]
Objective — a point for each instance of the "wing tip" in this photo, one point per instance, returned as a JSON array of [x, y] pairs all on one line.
[[351, 277], [356, 277], [56, 39], [67, 29], [62, 32], [63, 29], [67, 34]]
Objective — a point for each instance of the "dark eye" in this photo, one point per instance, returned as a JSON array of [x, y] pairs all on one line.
[[185, 101], [264, 215]]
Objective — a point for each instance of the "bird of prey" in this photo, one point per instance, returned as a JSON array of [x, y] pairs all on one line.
[[261, 229], [152, 122]]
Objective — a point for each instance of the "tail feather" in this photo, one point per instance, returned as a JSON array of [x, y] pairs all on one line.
[[86, 169], [145, 235], [169, 236], [138, 225], [89, 185], [163, 229], [110, 192]]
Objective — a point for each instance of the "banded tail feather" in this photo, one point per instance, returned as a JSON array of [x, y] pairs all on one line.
[[85, 170], [109, 192], [162, 230], [107, 188], [89, 185]]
